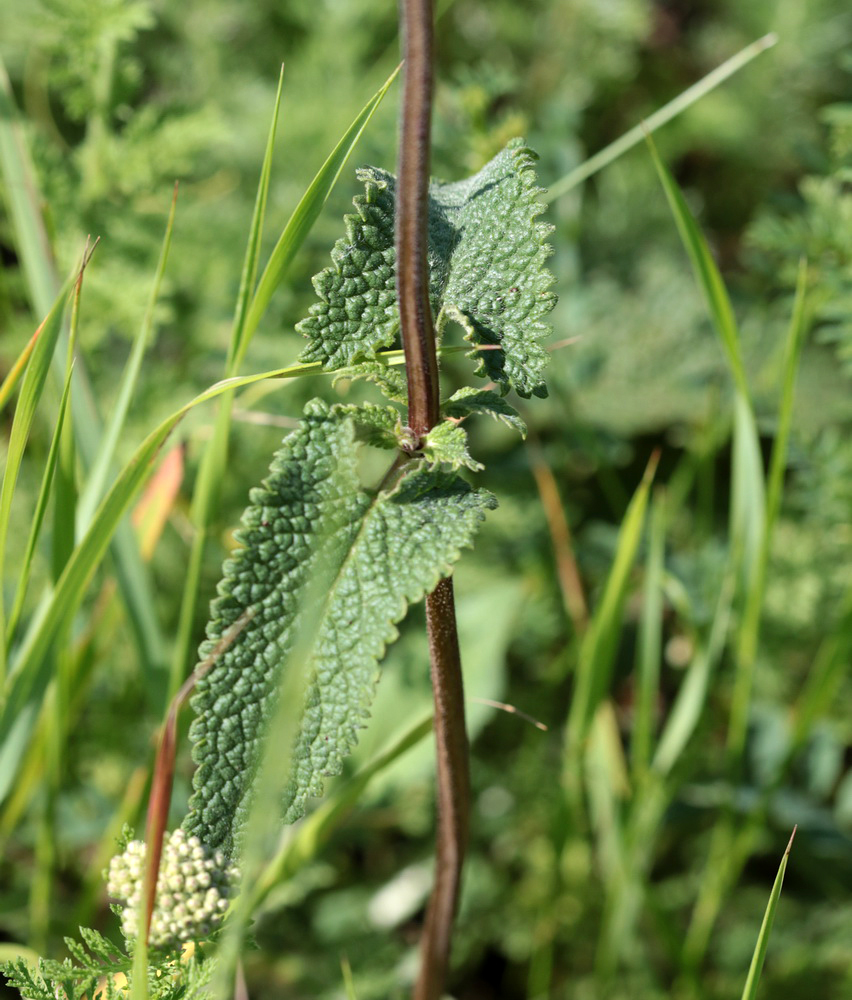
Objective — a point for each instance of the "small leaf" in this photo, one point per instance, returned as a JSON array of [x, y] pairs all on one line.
[[379, 426], [379, 551], [487, 273], [468, 401], [446, 444], [391, 381]]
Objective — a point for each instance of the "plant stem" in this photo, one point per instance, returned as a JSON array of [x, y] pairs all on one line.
[[412, 218], [453, 790], [418, 341]]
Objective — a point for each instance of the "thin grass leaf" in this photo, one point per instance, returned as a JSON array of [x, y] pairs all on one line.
[[749, 631], [306, 213], [99, 471], [23, 202], [747, 481], [597, 650], [38, 514], [42, 283], [348, 981], [649, 649], [239, 341], [724, 861], [606, 784], [759, 956], [706, 272], [31, 391], [748, 491], [17, 370], [659, 118], [691, 698], [65, 484]]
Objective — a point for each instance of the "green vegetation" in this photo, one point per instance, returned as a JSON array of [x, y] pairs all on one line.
[[662, 596]]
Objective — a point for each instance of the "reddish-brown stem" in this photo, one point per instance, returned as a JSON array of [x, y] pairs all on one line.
[[412, 218], [418, 341], [164, 768], [453, 790]]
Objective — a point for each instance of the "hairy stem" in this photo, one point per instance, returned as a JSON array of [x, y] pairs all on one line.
[[412, 218], [418, 341], [453, 790]]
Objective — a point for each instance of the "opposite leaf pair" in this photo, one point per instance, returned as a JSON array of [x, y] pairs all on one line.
[[318, 548]]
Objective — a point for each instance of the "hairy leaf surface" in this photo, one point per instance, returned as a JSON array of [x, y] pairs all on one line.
[[469, 401], [373, 553], [487, 258], [446, 444]]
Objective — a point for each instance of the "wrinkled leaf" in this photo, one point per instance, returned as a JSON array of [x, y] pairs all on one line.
[[376, 553], [487, 258]]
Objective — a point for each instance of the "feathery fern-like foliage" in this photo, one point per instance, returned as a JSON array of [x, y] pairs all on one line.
[[99, 968]]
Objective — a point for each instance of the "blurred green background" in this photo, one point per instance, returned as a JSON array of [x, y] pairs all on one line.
[[118, 99]]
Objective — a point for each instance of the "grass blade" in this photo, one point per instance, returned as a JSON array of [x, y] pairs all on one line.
[[100, 468], [65, 484], [42, 282], [239, 336], [659, 118], [706, 272], [749, 631], [747, 486], [38, 514], [759, 956], [22, 200], [649, 649], [17, 370], [692, 694], [306, 213], [31, 391], [597, 649]]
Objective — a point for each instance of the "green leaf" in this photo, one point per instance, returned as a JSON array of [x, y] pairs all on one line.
[[706, 272], [31, 391], [391, 381], [468, 401], [39, 512], [446, 444], [759, 956], [379, 551], [99, 473], [31, 665], [487, 273], [380, 426], [251, 306], [42, 283], [597, 650]]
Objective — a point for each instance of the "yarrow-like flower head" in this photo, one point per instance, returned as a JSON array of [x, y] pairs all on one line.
[[193, 890]]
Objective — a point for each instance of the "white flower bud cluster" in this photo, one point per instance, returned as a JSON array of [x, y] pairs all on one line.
[[193, 889]]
